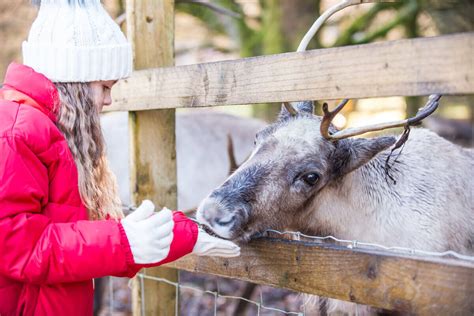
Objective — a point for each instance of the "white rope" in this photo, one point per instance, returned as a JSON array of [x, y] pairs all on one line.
[[216, 295], [351, 244]]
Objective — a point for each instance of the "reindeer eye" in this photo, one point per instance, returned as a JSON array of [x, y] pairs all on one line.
[[225, 222], [311, 178]]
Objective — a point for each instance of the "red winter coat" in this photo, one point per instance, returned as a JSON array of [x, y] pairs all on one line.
[[49, 251]]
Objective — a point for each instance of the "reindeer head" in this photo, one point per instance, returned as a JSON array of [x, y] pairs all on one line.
[[293, 161]]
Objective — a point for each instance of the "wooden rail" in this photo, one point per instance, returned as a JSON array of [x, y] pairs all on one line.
[[420, 66], [395, 282]]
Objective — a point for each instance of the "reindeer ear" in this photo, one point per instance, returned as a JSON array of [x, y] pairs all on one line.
[[299, 107], [284, 114], [351, 154], [304, 106]]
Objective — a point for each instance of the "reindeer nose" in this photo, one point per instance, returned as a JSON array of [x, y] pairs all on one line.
[[217, 216], [212, 212]]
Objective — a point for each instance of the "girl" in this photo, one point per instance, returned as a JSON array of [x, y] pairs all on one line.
[[60, 215]]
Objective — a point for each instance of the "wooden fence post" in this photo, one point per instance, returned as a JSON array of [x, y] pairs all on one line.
[[150, 29]]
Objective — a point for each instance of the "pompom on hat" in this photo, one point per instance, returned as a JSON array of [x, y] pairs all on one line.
[[77, 41]]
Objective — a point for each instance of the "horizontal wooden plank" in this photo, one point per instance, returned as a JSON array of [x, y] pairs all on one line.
[[420, 66], [409, 284]]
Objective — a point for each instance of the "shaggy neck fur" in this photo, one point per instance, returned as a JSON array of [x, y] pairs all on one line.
[[429, 207]]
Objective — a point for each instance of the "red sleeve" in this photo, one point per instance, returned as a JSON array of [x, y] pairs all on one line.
[[35, 250], [185, 233]]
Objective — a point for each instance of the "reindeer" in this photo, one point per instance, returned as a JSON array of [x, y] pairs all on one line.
[[306, 176]]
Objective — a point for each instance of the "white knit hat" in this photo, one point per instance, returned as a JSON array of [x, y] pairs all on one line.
[[77, 41]]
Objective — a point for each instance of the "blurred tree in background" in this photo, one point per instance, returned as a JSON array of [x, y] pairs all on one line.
[[280, 25]]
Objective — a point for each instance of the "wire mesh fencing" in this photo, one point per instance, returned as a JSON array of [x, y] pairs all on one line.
[[200, 294]]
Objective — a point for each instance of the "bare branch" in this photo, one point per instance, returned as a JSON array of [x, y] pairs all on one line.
[[359, 24], [213, 7], [328, 13], [122, 17], [407, 12]]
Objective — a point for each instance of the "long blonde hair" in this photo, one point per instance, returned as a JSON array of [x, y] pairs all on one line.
[[79, 121]]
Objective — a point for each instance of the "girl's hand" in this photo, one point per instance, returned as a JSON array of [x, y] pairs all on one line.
[[207, 245], [149, 234]]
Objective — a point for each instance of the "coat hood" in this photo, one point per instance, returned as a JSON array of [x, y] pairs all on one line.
[[34, 85]]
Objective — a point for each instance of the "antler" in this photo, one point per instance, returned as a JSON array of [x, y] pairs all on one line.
[[329, 116], [430, 107], [231, 154]]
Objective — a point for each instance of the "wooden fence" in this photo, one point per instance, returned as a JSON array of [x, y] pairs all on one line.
[[422, 66]]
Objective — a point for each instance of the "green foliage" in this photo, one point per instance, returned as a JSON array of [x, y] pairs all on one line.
[[237, 28], [274, 30], [269, 37]]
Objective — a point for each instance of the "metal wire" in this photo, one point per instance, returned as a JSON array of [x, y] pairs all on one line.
[[352, 244], [176, 303], [142, 294], [217, 295]]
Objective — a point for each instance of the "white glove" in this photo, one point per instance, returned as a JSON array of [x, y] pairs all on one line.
[[149, 234], [207, 245]]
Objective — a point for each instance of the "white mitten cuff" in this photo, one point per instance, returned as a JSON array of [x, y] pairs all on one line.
[[149, 234], [207, 245]]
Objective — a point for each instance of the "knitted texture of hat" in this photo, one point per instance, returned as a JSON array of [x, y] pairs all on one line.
[[77, 41]]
